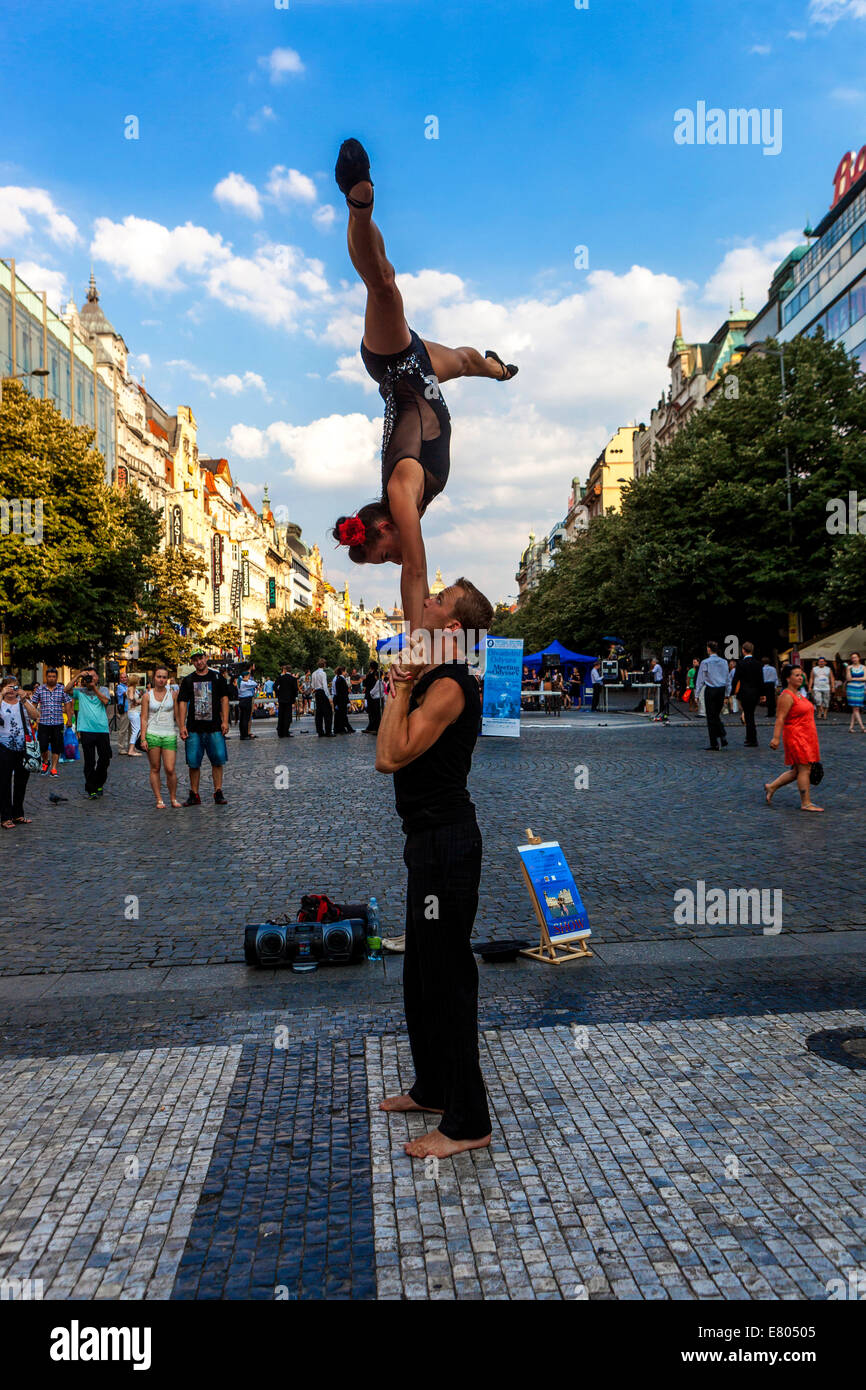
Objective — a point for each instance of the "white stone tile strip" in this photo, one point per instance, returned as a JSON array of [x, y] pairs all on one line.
[[102, 1160], [693, 1158]]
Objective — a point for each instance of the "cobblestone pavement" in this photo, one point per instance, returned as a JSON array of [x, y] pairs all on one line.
[[193, 1129], [118, 884]]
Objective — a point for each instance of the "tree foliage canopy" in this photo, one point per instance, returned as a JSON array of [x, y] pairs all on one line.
[[301, 639], [705, 545], [71, 589]]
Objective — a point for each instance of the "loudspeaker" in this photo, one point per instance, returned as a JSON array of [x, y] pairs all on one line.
[[326, 943], [669, 656]]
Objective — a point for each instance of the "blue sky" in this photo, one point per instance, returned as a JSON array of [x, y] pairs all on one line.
[[218, 243]]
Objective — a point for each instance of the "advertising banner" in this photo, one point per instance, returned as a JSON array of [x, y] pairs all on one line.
[[555, 891], [503, 672]]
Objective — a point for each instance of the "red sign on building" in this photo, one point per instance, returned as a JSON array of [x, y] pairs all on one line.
[[851, 168]]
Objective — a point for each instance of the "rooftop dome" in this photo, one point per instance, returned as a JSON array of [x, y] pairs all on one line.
[[91, 315]]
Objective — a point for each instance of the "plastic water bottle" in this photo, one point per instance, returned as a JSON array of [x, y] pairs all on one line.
[[374, 938]]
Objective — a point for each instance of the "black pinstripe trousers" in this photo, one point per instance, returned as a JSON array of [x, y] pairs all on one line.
[[440, 976]]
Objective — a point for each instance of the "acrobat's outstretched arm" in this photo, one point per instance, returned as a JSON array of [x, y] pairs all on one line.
[[403, 502]]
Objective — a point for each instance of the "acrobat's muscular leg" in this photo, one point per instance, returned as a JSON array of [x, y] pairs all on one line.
[[449, 363], [385, 326]]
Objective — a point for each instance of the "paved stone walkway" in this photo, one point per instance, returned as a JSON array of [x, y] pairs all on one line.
[[176, 1125], [118, 884]]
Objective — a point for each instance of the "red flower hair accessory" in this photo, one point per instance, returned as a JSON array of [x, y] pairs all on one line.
[[352, 531]]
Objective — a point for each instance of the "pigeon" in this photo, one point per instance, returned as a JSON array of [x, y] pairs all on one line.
[[52, 796]]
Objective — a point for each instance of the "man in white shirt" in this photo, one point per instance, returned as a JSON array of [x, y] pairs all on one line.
[[324, 713], [248, 688], [821, 687], [597, 680], [714, 677]]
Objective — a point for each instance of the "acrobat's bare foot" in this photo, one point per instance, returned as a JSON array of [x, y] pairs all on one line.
[[770, 792], [810, 806], [438, 1145], [401, 1105]]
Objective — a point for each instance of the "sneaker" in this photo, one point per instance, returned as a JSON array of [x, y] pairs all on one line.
[[44, 768], [219, 798], [193, 799], [99, 791], [54, 772], [94, 796], [397, 944]]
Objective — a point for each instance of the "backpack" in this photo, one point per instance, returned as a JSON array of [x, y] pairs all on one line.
[[316, 907]]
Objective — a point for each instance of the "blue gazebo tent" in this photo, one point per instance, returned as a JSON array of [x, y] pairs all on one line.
[[390, 646], [565, 656]]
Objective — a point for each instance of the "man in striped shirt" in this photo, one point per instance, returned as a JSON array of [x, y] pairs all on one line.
[[51, 700]]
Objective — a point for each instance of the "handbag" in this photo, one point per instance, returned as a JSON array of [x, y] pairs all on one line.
[[32, 751], [70, 744], [816, 773]]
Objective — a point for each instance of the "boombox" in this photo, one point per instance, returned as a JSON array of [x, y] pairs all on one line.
[[305, 945]]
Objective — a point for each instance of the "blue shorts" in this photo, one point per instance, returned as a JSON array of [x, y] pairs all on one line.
[[212, 744]]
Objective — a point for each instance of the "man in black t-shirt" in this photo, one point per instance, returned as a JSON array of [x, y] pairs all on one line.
[[286, 691], [426, 739], [203, 718]]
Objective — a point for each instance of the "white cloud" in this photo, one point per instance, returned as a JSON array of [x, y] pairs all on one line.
[[247, 442], [20, 206], [849, 96], [761, 48], [275, 285], [290, 185], [281, 63], [40, 277], [750, 269], [798, 34], [335, 451], [231, 384], [140, 361], [831, 11], [351, 370], [259, 119], [324, 217], [150, 254], [237, 192]]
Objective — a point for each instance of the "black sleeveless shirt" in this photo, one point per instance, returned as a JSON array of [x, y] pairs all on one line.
[[431, 790]]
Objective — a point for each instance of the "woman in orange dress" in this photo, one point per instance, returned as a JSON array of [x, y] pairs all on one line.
[[795, 723]]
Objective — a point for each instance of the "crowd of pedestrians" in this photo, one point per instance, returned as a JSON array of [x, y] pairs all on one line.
[[157, 717]]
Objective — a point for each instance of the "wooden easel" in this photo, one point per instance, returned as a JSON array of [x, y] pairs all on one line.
[[550, 952]]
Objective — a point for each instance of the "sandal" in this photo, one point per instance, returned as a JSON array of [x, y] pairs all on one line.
[[7, 825], [22, 820], [353, 166], [508, 368]]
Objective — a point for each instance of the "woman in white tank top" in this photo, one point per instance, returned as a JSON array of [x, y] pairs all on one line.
[[159, 735]]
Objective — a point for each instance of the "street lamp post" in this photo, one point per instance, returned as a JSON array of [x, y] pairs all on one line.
[[21, 376]]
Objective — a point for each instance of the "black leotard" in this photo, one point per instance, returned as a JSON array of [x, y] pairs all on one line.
[[417, 423]]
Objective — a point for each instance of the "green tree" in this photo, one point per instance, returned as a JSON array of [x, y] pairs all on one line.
[[281, 641], [224, 636], [357, 651], [705, 546], [170, 602], [300, 638], [73, 557]]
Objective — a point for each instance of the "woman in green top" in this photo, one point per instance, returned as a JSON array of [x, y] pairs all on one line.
[[691, 677]]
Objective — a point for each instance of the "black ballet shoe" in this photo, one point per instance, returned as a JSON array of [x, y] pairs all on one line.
[[353, 166], [508, 368]]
